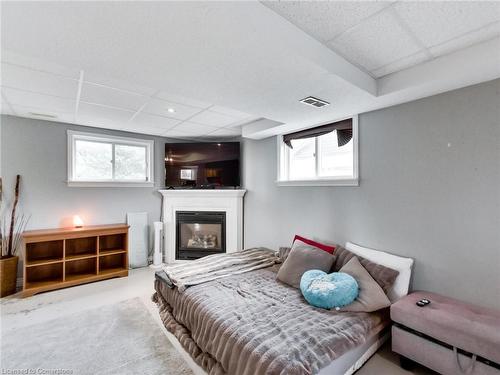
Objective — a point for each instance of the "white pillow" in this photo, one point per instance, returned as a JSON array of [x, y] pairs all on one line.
[[401, 264]]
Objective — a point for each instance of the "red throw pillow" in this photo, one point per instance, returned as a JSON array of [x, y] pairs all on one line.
[[327, 248]]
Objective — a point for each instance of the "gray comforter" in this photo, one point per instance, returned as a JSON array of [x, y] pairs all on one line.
[[251, 324], [218, 266]]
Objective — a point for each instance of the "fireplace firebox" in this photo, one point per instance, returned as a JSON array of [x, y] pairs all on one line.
[[199, 233]]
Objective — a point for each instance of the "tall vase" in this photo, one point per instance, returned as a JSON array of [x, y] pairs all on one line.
[[8, 275]]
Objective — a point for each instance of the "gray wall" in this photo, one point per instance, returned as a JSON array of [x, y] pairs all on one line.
[[418, 197], [429, 189], [37, 150]]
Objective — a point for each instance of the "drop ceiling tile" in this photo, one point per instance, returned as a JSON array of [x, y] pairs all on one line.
[[11, 57], [226, 132], [325, 20], [6, 109], [435, 22], [486, 33], [404, 63], [238, 115], [120, 84], [140, 129], [42, 102], [153, 121], [176, 133], [182, 100], [36, 81], [240, 123], [195, 129], [213, 119], [98, 94], [95, 115], [161, 107], [152, 131], [377, 42]]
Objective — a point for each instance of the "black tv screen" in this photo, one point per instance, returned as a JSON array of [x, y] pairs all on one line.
[[202, 165]]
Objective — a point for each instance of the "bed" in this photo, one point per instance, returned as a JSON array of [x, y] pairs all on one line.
[[252, 324]]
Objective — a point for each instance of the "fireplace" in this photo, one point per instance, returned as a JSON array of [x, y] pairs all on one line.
[[227, 201], [199, 233]]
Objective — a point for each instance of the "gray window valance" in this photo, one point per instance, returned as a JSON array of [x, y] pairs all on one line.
[[343, 128]]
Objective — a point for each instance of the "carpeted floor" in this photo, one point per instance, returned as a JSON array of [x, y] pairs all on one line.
[[110, 327], [121, 338]]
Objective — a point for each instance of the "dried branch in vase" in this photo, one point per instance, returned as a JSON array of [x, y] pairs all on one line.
[[2, 247], [13, 216], [11, 237]]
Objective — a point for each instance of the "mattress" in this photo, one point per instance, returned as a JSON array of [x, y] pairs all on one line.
[[253, 324]]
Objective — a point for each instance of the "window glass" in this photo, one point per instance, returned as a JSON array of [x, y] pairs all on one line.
[[334, 161], [93, 160], [302, 159], [319, 160], [103, 160], [130, 163]]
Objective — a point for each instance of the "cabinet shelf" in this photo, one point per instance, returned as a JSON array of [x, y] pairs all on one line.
[[42, 262], [80, 276], [111, 252], [44, 252], [58, 258], [110, 271], [79, 257], [43, 275], [81, 246]]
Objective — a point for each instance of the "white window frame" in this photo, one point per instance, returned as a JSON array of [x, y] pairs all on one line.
[[283, 165], [74, 136]]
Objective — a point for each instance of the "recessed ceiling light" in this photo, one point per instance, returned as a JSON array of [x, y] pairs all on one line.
[[170, 110], [315, 102]]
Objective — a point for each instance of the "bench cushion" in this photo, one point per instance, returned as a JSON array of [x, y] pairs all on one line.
[[471, 328]]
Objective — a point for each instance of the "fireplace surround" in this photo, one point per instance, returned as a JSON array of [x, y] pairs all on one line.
[[227, 201]]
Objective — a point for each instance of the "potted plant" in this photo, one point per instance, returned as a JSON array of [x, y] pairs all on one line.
[[11, 229]]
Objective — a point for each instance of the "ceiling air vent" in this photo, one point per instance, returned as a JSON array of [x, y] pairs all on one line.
[[315, 102], [37, 114]]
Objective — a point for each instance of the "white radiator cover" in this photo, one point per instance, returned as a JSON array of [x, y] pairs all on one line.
[[138, 239], [228, 201]]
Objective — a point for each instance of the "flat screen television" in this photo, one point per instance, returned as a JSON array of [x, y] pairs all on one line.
[[202, 165]]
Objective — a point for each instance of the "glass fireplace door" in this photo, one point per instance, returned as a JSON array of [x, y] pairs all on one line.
[[200, 233]]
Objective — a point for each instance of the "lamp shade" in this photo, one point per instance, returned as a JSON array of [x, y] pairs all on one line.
[[77, 221]]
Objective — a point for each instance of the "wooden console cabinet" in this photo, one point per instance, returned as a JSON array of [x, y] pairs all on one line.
[[58, 258]]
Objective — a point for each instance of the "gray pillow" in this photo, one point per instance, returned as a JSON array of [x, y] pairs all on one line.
[[371, 297], [384, 276], [302, 258]]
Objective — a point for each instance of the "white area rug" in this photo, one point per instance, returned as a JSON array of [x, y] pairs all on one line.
[[121, 338]]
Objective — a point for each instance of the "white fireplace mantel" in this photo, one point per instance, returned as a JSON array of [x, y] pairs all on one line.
[[228, 201]]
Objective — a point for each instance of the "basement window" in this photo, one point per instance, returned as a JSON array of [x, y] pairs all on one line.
[[102, 160], [325, 155]]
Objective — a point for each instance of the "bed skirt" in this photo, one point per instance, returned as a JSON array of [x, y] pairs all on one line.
[[182, 334]]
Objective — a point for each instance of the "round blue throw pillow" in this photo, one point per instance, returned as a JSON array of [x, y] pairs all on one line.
[[328, 291]]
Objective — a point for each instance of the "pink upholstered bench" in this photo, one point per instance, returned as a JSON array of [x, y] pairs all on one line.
[[447, 335]]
